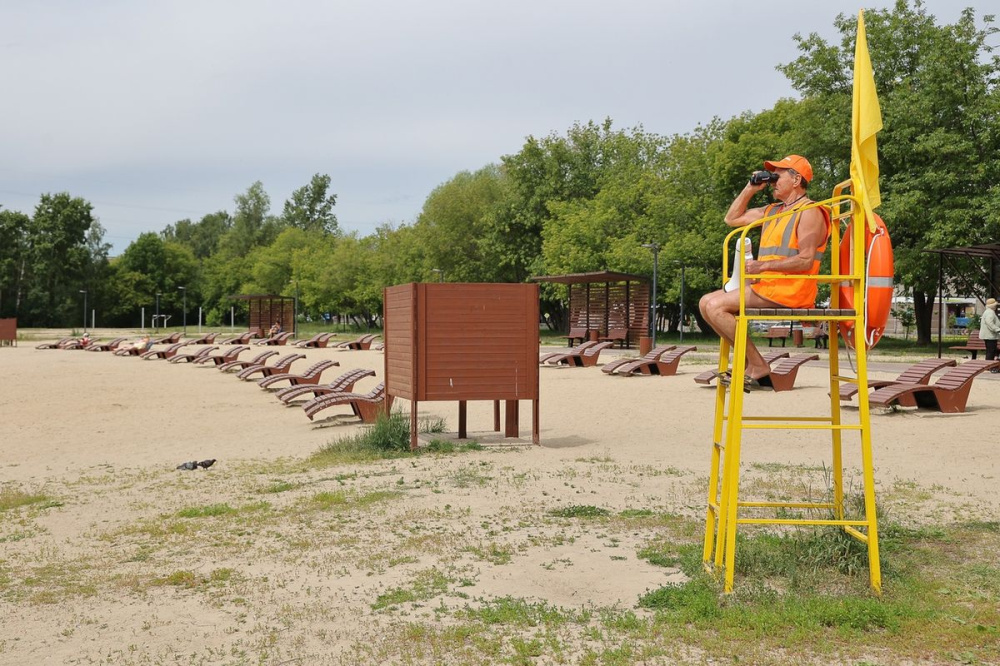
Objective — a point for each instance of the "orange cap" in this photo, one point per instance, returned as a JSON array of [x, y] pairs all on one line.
[[797, 162]]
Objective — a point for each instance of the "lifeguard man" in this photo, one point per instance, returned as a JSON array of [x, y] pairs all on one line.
[[793, 243]]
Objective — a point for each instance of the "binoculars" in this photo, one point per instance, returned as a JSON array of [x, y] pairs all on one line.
[[758, 177]]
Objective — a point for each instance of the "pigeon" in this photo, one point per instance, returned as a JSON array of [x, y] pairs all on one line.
[[188, 465], [207, 463]]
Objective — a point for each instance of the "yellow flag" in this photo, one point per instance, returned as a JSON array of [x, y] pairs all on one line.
[[866, 121]]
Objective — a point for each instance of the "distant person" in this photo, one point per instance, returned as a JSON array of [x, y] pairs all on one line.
[[792, 243], [143, 344], [989, 330], [822, 335], [275, 328]]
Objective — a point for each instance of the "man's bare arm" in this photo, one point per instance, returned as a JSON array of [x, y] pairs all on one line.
[[738, 215]]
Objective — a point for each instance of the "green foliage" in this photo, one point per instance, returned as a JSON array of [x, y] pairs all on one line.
[[310, 207], [582, 200]]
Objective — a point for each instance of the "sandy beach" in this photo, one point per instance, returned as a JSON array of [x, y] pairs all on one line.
[[302, 566]]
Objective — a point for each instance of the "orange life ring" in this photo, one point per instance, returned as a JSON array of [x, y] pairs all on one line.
[[878, 283]]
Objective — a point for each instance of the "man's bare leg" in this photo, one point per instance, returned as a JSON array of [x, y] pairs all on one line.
[[720, 308]]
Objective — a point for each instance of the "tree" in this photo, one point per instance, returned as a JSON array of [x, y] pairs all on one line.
[[938, 91], [201, 237], [13, 259], [310, 207], [53, 269], [252, 226]]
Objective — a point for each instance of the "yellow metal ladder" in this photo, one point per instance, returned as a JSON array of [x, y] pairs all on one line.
[[724, 503]]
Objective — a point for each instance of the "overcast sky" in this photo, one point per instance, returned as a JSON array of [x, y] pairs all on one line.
[[159, 111]]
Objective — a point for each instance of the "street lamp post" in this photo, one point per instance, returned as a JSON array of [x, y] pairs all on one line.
[[157, 315], [655, 247], [682, 303], [185, 292], [440, 274], [84, 292]]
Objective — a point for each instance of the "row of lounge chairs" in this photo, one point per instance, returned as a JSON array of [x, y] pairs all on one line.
[[366, 406], [660, 361]]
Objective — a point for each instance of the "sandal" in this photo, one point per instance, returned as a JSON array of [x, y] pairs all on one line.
[[758, 384]]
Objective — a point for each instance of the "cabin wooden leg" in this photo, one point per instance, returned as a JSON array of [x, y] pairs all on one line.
[[496, 416], [462, 419], [534, 423], [510, 429]]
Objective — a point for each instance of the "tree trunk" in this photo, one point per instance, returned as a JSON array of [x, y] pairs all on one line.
[[923, 309]]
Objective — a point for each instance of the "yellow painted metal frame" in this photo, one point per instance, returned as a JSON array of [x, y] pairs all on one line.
[[722, 517]]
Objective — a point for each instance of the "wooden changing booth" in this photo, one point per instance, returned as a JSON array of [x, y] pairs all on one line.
[[455, 341], [265, 309], [605, 300]]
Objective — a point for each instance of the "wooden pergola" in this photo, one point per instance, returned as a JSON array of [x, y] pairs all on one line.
[[606, 300], [990, 252], [265, 309]]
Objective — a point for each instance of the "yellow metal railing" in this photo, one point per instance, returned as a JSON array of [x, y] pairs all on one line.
[[724, 504]]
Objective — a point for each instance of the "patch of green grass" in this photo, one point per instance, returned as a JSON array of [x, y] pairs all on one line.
[[388, 437], [580, 511], [493, 553], [470, 475], [342, 499], [426, 585], [190, 579], [518, 612], [223, 509], [446, 446], [279, 487], [207, 511], [13, 498]]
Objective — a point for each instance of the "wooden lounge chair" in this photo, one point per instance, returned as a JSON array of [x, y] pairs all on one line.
[[318, 340], [665, 365], [783, 373], [918, 373], [241, 339], [310, 376], [580, 333], [169, 339], [110, 345], [365, 406], [555, 357], [770, 357], [616, 335], [655, 353], [167, 353], [949, 394], [193, 356], [587, 358], [342, 384], [364, 342], [207, 339], [56, 345], [280, 366], [227, 356], [242, 365], [281, 339]]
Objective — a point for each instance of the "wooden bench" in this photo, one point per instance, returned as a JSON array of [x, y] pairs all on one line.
[[778, 333], [974, 345], [579, 333], [616, 335]]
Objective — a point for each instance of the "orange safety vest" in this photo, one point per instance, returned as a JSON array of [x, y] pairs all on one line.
[[779, 239]]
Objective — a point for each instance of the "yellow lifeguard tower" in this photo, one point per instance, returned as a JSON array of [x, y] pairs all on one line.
[[731, 422]]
